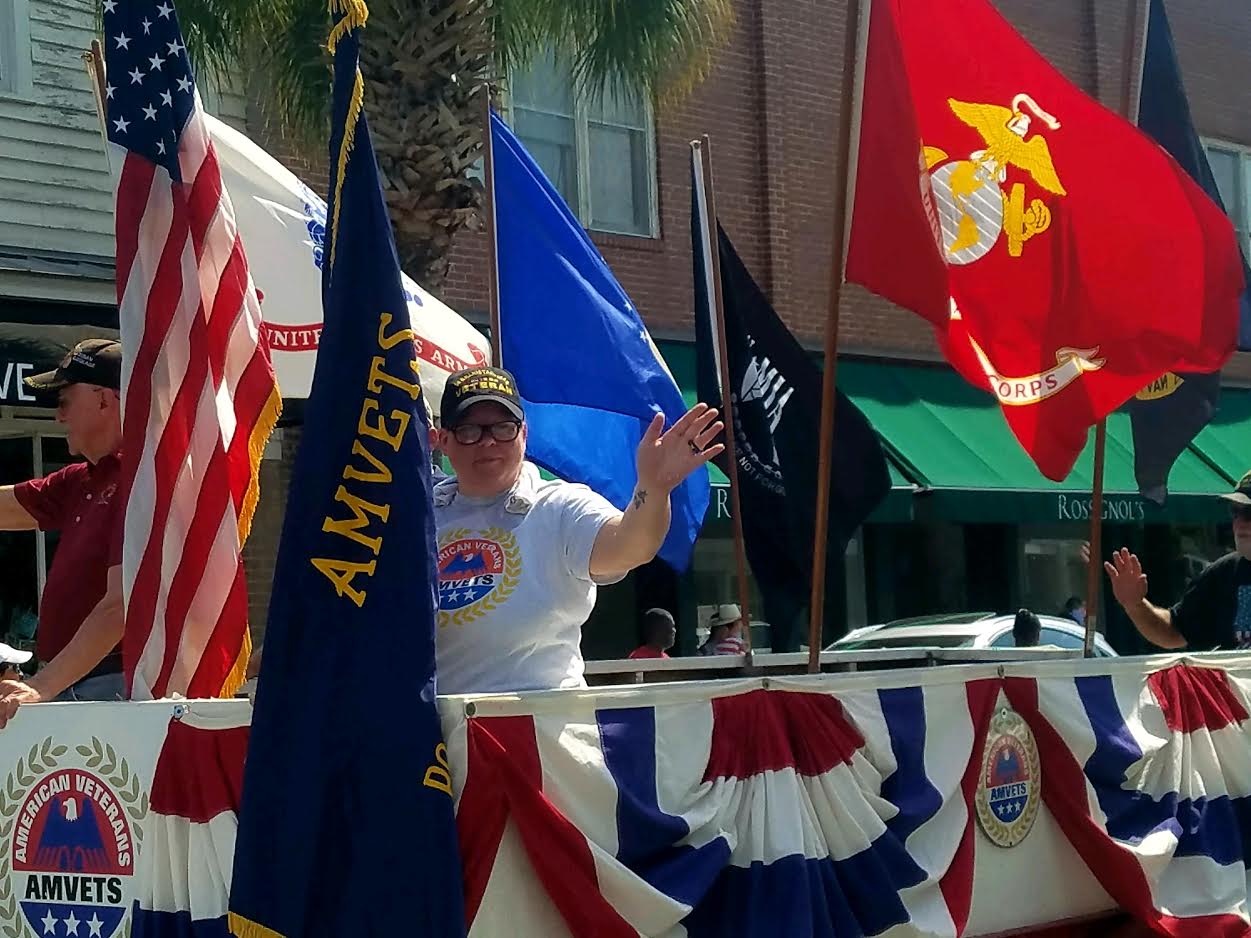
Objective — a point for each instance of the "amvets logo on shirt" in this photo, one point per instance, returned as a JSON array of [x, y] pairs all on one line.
[[477, 571]]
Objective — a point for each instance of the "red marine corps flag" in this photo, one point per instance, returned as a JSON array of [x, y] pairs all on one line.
[[1065, 260]]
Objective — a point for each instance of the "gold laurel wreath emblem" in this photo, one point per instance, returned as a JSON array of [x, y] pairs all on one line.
[[508, 579], [38, 762], [1009, 723]]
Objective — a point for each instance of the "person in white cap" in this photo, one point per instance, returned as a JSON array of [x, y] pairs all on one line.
[[11, 661], [725, 632], [519, 557]]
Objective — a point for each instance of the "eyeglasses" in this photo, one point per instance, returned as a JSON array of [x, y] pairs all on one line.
[[1240, 512], [505, 431]]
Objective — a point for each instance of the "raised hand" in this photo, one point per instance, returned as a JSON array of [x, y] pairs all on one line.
[[666, 459], [1129, 582]]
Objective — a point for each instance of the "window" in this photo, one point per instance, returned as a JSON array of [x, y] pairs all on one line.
[[599, 151], [1051, 567], [14, 46], [1231, 165], [26, 451], [1061, 638]]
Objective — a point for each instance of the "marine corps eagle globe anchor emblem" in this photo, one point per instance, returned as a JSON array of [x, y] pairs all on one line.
[[974, 209], [976, 206]]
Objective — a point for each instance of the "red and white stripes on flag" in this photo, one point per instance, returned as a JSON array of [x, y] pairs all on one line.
[[199, 398]]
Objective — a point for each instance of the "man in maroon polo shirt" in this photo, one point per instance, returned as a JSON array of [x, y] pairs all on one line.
[[80, 613]]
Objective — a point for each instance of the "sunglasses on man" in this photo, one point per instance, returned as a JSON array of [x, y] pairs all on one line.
[[1240, 512], [503, 431]]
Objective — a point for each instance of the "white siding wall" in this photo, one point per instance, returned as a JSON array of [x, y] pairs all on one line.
[[55, 187]]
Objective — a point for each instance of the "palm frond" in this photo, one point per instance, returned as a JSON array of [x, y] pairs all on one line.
[[215, 32], [280, 41], [291, 53], [426, 64], [662, 48]]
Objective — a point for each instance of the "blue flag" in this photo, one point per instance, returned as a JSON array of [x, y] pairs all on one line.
[[1164, 114], [1169, 413], [589, 374], [347, 825]]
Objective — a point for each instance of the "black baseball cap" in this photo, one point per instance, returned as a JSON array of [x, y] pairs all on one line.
[[476, 385], [1242, 492], [91, 361]]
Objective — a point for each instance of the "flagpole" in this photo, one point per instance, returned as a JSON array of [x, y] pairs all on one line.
[[488, 216], [93, 61], [1136, 24], [842, 174], [703, 147], [1136, 27], [1094, 568]]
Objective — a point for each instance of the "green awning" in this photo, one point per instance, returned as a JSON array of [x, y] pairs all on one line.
[[1223, 442], [952, 456], [896, 507], [680, 357], [953, 440]]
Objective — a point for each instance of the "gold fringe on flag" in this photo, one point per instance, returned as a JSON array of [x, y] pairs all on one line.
[[261, 432], [355, 14], [246, 928], [345, 151], [239, 671]]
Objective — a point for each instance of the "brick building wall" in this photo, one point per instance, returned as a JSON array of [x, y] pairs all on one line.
[[771, 107]]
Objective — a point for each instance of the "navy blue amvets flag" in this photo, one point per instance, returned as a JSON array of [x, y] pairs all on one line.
[[347, 825]]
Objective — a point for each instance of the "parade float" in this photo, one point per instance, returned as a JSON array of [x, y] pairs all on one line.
[[993, 797], [977, 799]]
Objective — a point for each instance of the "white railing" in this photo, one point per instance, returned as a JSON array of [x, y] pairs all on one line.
[[649, 670]]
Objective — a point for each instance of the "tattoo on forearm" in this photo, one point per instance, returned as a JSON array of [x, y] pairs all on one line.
[[640, 497]]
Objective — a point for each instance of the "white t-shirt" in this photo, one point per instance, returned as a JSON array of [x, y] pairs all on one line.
[[515, 584]]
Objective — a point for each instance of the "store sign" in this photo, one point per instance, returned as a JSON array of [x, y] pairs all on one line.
[[13, 390], [721, 499], [1130, 510]]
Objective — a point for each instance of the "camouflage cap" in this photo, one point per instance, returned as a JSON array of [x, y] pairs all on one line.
[[91, 361], [1242, 491]]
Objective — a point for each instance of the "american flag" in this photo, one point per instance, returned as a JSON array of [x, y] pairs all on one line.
[[199, 397]]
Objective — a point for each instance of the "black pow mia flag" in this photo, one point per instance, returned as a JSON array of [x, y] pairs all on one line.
[[776, 398]]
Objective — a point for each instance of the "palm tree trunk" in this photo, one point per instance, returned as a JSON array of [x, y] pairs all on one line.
[[424, 63]]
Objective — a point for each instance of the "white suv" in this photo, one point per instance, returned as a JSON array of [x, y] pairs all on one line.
[[965, 630]]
